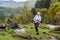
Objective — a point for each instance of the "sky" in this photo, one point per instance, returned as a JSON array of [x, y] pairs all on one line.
[[20, 0], [15, 0]]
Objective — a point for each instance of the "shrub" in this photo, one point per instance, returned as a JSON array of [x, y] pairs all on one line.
[[54, 8], [27, 14]]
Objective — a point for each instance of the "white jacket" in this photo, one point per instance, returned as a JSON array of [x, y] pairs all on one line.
[[37, 19]]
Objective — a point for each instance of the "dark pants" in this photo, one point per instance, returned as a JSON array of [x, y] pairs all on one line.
[[36, 27]]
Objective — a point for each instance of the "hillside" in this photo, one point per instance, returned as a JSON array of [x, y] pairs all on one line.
[[13, 4]]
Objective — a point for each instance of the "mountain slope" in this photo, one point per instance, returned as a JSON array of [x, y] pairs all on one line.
[[11, 4], [14, 4]]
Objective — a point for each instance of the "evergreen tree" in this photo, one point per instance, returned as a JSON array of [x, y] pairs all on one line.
[[42, 4]]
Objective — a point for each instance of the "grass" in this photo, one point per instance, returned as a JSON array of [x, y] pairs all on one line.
[[5, 36], [31, 31], [29, 35]]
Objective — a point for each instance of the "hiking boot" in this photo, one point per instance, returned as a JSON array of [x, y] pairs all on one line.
[[37, 33]]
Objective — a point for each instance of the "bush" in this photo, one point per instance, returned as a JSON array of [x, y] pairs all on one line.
[[27, 14], [53, 10]]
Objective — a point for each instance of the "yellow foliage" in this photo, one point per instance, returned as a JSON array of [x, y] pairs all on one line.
[[6, 20]]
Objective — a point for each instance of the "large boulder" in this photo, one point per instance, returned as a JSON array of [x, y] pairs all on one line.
[[13, 25], [3, 26], [51, 26]]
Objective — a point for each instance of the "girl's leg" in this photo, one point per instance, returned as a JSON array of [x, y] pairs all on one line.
[[36, 27]]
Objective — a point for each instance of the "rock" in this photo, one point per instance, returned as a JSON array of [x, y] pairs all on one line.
[[20, 30], [13, 25], [3, 26], [51, 26]]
